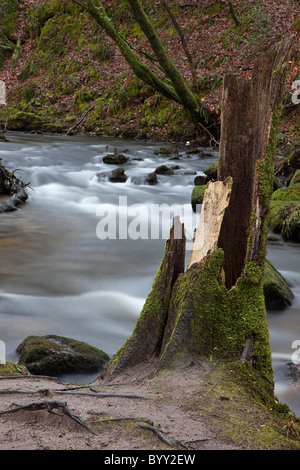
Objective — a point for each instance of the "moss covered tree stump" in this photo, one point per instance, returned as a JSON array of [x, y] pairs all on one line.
[[215, 309]]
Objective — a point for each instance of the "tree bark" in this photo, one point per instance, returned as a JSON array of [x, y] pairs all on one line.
[[216, 308], [248, 110]]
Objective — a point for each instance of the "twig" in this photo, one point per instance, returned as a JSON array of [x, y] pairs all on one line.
[[127, 418], [67, 392], [80, 121], [29, 377]]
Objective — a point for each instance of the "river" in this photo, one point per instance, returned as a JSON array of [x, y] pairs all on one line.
[[79, 258]]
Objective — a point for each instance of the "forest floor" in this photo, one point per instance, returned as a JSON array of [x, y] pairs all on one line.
[[165, 408], [177, 410]]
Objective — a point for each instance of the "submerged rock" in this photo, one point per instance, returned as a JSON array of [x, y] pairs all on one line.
[[150, 179], [212, 171], [56, 355]]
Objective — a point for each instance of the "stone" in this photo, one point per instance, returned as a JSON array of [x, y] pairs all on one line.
[[200, 180], [212, 171], [150, 179], [56, 355], [115, 159], [277, 292], [118, 176], [164, 170]]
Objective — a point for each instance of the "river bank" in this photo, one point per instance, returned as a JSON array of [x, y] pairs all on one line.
[[180, 410], [62, 274]]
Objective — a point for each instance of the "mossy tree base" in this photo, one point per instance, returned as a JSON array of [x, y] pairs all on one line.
[[215, 309]]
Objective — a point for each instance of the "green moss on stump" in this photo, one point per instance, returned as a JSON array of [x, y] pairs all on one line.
[[217, 323]]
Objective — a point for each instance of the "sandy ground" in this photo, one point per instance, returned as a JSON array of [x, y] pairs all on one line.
[[44, 414]]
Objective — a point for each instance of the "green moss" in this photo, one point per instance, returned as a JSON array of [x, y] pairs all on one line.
[[277, 292], [284, 215], [237, 405], [197, 196], [296, 25], [295, 181], [9, 18], [212, 171], [56, 354], [12, 369], [27, 121]]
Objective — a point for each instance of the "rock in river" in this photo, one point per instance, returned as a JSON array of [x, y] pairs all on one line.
[[115, 159], [56, 355]]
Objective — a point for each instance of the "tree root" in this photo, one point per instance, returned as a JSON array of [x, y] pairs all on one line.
[[46, 391], [52, 407], [161, 436]]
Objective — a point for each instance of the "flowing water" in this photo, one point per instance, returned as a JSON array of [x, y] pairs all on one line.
[[79, 258]]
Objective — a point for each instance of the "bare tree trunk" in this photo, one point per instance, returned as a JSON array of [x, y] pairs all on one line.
[[216, 307]]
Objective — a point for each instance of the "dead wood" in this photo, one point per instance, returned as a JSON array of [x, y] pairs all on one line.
[[55, 407], [170, 442], [80, 120], [46, 391]]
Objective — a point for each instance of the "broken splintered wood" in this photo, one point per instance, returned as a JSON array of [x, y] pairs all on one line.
[[215, 202]]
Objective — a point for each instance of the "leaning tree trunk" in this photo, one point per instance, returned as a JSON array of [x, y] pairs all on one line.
[[216, 307]]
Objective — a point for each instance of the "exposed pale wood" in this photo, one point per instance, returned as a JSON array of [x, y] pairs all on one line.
[[215, 202]]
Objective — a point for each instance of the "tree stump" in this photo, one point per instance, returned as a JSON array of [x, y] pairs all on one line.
[[215, 308]]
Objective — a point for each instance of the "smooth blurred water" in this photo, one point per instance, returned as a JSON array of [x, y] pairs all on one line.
[[58, 277]]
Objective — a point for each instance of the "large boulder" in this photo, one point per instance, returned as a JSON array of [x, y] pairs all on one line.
[[56, 355]]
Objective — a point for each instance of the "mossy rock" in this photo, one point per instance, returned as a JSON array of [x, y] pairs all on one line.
[[277, 292], [163, 151], [212, 171], [164, 170], [28, 122], [115, 159], [55, 355], [197, 196], [118, 176], [284, 214]]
